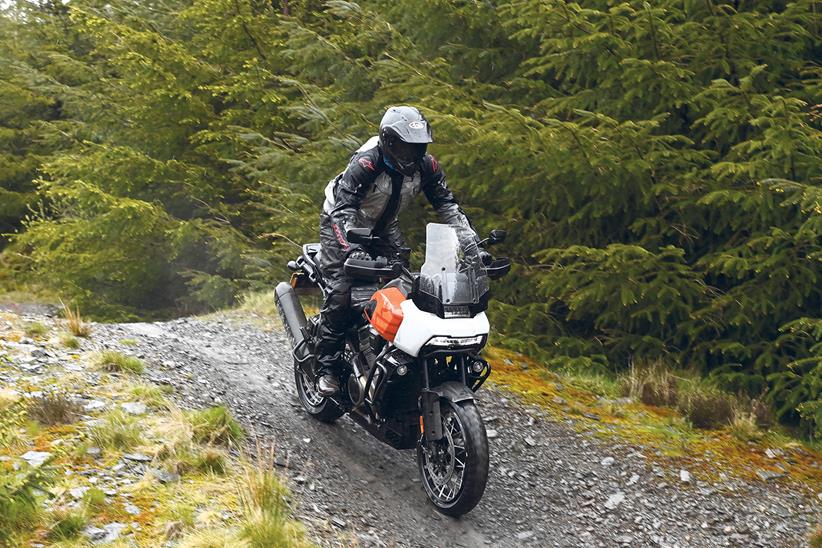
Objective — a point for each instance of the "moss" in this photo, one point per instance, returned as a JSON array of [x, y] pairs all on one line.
[[128, 342], [94, 499], [115, 362]]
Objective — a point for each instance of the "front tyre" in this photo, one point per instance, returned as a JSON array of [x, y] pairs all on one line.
[[454, 470], [322, 409]]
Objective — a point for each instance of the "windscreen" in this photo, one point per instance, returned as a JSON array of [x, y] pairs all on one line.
[[453, 275]]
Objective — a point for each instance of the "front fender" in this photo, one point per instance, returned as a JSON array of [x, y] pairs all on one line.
[[454, 391]]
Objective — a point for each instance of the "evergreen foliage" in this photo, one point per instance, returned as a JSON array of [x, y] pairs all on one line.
[[657, 164]]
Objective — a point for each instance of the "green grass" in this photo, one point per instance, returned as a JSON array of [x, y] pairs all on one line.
[[19, 506], [117, 430], [69, 341], [129, 342], [115, 362], [153, 396], [266, 515], [215, 425], [35, 330], [66, 525], [94, 499]]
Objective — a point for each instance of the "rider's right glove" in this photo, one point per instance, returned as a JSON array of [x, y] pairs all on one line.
[[485, 257], [358, 254]]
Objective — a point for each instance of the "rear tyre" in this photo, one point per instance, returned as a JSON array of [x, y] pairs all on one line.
[[454, 470], [322, 409]]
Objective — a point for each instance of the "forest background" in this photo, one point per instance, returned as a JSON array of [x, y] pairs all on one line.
[[656, 164]]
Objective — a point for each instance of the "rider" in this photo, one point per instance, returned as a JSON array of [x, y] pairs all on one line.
[[382, 177]]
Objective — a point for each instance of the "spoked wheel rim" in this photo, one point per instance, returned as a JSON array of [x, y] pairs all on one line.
[[312, 397], [444, 462]]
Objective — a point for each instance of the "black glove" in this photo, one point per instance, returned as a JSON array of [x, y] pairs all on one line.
[[485, 257], [358, 254]]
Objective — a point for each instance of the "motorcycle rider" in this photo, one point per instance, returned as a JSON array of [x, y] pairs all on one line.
[[382, 177]]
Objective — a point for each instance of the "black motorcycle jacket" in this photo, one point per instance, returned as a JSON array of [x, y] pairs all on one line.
[[369, 194]]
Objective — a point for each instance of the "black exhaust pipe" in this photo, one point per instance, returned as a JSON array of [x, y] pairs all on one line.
[[291, 312]]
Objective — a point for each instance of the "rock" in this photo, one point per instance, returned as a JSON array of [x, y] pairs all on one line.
[[134, 407], [299, 480], [491, 434], [94, 452], [624, 539], [634, 478], [137, 457], [684, 476], [559, 401], [607, 461], [525, 535], [95, 534], [77, 492], [337, 522], [35, 458], [558, 387], [164, 476], [94, 405], [614, 500], [530, 441], [131, 509], [113, 531], [767, 475]]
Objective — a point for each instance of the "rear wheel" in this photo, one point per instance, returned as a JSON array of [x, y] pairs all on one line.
[[454, 470], [319, 407]]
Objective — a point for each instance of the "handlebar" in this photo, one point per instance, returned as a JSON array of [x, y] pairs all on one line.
[[372, 269]]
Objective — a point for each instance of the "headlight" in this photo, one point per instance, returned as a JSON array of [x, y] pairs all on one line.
[[454, 342]]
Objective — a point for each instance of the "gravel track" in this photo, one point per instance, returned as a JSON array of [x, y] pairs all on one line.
[[549, 485]]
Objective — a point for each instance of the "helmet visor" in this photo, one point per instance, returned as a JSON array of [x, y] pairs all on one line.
[[408, 153]]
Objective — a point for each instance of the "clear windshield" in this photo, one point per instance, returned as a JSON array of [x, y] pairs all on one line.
[[453, 273]]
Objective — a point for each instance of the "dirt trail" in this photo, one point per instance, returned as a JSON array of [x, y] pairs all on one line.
[[548, 486]]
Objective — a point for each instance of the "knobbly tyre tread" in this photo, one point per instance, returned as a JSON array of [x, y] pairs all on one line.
[[327, 411], [476, 473]]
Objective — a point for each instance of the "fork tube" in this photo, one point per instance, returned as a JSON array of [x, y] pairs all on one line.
[[462, 370], [425, 384]]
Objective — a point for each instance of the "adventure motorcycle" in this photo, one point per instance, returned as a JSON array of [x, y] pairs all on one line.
[[412, 359]]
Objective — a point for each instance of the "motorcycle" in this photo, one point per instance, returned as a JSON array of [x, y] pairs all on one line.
[[412, 360]]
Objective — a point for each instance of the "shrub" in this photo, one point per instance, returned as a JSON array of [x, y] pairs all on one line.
[[115, 362], [75, 322], [19, 510], [707, 407], [652, 385], [116, 429], [35, 330], [744, 428], [52, 409], [215, 425], [67, 525]]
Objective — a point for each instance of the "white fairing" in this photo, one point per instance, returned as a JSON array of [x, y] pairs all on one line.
[[418, 327]]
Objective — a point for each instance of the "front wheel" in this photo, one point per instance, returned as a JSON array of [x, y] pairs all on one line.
[[319, 407], [454, 470]]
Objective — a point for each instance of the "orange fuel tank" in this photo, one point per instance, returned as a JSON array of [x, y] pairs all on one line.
[[384, 311]]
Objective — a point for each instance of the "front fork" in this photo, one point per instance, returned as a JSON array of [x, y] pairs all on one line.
[[429, 401]]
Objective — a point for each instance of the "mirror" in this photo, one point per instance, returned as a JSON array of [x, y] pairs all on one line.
[[497, 236]]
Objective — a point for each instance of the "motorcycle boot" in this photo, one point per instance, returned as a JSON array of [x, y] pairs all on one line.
[[328, 375]]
